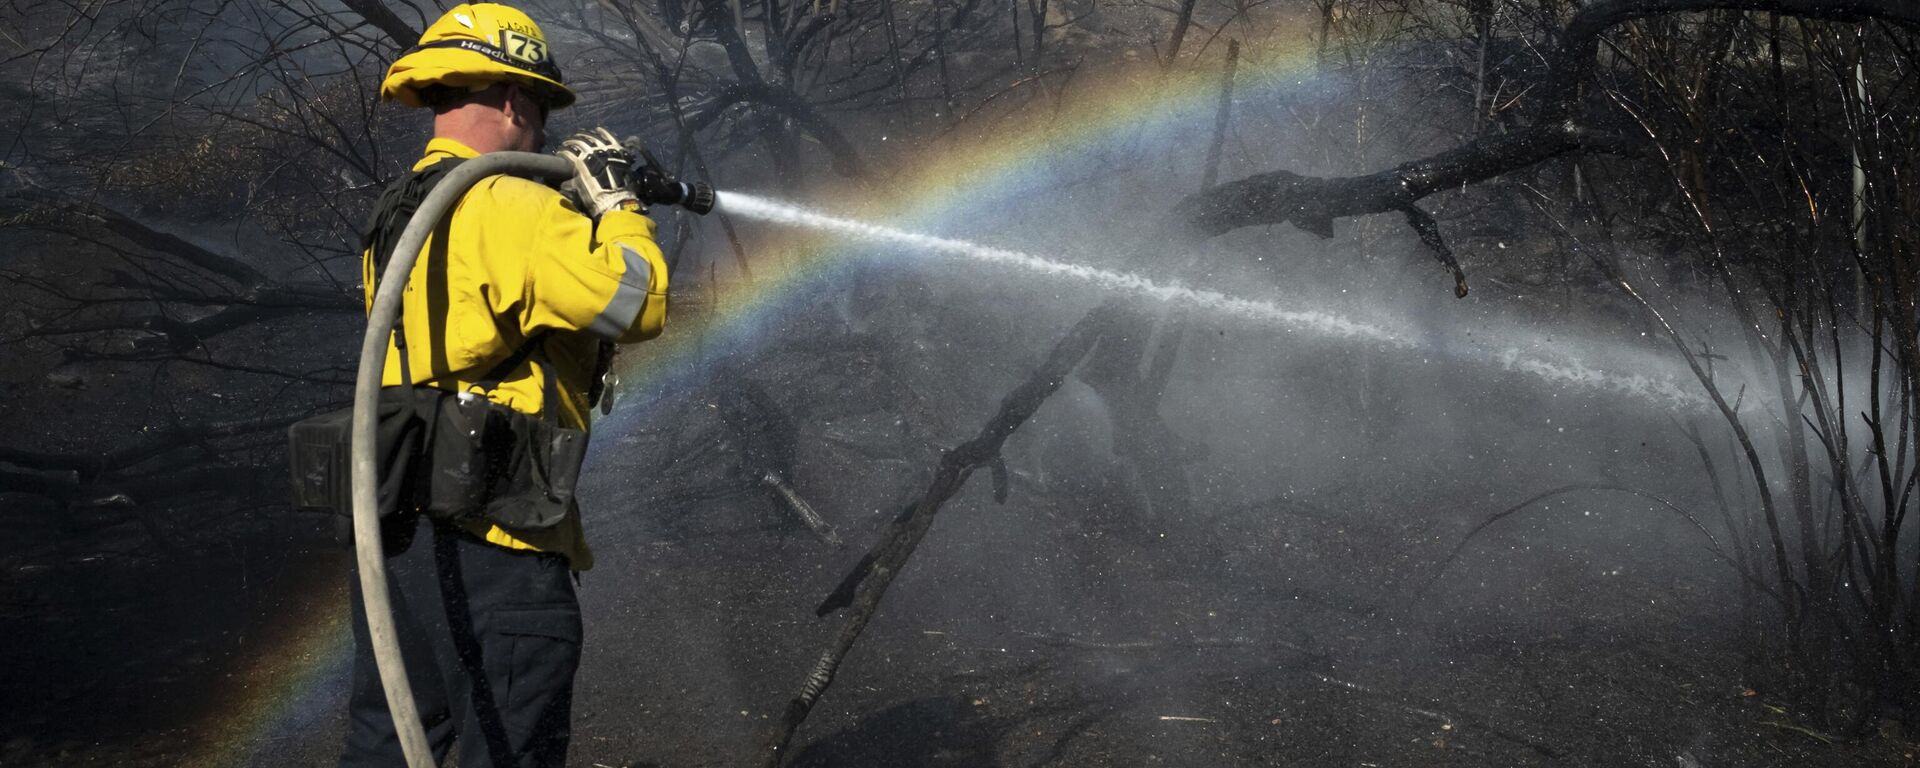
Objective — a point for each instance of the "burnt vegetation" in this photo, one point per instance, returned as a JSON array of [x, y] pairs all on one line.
[[183, 186]]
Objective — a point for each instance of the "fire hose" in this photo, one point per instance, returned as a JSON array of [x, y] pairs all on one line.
[[653, 186]]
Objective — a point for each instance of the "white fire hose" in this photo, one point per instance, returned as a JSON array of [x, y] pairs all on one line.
[[368, 551]]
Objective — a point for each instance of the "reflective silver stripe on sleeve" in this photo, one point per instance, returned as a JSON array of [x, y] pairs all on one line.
[[628, 300]]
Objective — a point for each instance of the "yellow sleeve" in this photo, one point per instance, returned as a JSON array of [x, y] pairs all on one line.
[[555, 270]]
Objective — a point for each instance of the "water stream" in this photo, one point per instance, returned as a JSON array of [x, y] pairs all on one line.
[[1657, 380]]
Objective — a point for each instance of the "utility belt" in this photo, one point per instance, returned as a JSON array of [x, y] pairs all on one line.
[[456, 456]]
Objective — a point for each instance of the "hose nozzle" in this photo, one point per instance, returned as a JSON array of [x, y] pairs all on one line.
[[696, 196], [653, 185]]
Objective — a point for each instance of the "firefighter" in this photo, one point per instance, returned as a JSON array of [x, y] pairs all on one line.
[[516, 301]]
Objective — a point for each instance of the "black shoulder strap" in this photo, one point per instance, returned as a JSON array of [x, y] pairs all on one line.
[[499, 372], [396, 206], [391, 214]]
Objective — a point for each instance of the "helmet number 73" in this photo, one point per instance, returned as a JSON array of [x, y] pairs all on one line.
[[522, 47]]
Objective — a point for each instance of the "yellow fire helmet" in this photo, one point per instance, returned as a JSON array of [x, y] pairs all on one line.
[[474, 46]]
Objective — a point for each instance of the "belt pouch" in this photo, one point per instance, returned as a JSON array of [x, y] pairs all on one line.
[[473, 441], [536, 484], [568, 452], [320, 455], [511, 468]]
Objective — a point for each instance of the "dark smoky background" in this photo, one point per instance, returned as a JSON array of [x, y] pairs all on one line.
[[1638, 498]]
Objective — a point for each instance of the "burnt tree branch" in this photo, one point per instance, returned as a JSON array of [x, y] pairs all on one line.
[[1429, 231], [255, 298], [384, 19], [1313, 203], [840, 150], [777, 96], [140, 234], [142, 448], [867, 583]]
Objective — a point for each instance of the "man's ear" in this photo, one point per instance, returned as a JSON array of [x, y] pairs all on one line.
[[509, 105]]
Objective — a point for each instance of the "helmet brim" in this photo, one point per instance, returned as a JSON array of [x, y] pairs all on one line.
[[458, 68]]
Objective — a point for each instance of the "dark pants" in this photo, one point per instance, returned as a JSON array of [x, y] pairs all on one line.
[[491, 638]]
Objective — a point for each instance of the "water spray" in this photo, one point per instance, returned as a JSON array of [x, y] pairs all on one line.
[[1560, 369], [1120, 282]]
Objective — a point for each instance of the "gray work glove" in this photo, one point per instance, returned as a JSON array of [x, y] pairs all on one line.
[[602, 171]]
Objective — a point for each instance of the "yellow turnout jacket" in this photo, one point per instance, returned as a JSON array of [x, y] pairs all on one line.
[[515, 259]]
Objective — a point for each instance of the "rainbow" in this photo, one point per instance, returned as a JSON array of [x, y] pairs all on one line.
[[297, 682], [964, 178], [299, 679]]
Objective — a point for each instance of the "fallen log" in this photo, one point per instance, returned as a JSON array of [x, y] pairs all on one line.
[[867, 583]]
